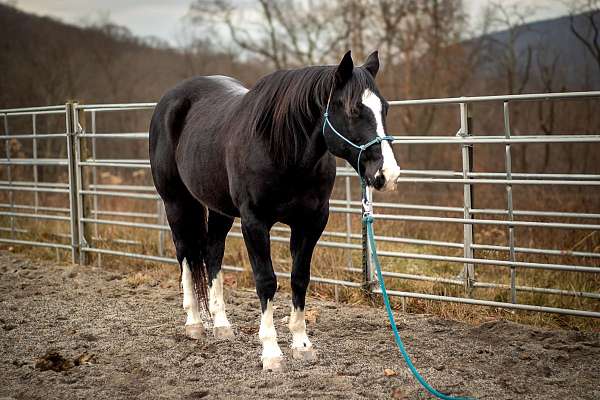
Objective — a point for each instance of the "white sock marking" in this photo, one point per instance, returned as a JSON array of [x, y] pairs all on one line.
[[190, 301], [268, 335], [216, 303], [390, 169], [297, 327]]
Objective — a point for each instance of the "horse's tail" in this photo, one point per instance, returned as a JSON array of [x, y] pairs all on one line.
[[175, 117], [187, 217]]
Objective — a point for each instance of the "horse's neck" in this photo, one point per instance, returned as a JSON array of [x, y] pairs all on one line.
[[315, 148]]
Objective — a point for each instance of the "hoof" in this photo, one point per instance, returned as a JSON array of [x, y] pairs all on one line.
[[274, 364], [195, 331], [304, 353], [223, 332]]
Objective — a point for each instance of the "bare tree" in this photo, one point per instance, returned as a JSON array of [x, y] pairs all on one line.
[[512, 61], [589, 35], [284, 32], [548, 72], [509, 58], [584, 18], [426, 57]]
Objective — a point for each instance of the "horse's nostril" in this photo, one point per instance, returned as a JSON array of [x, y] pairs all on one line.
[[379, 181]]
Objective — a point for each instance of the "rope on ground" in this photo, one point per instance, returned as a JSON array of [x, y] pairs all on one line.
[[368, 220]]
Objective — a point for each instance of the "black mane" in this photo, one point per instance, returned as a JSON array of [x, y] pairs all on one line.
[[285, 106]]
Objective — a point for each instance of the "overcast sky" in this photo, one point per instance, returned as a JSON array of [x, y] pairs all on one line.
[[162, 18]]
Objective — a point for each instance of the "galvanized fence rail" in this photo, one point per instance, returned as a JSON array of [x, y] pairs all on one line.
[[82, 212]]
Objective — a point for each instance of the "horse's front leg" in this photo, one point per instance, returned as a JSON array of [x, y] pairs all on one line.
[[305, 235], [256, 236]]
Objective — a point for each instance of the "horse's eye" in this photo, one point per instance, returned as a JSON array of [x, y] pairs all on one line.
[[355, 111]]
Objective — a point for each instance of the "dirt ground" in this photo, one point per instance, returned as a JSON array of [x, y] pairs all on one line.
[[84, 332]]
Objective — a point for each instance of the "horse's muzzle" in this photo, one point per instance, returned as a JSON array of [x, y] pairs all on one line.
[[385, 179]]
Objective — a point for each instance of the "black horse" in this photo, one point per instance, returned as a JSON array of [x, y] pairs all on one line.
[[220, 151]]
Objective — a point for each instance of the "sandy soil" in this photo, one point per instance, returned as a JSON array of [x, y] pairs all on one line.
[[107, 339]]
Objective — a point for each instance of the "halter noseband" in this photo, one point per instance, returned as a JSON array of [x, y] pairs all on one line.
[[361, 147]]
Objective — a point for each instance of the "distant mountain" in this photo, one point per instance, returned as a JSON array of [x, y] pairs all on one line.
[[553, 38]]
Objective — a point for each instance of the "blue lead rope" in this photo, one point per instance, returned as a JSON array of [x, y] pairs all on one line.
[[368, 220]]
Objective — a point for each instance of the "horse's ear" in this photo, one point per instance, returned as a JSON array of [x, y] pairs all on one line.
[[372, 63], [344, 70]]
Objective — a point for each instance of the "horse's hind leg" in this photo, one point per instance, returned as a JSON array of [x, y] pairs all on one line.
[[305, 235], [187, 219], [218, 227]]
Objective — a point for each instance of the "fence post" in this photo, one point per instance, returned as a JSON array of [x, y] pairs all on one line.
[[11, 194], [509, 201], [468, 273], [72, 168], [81, 183], [95, 207], [36, 197]]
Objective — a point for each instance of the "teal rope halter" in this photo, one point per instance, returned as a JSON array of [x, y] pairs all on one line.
[[368, 221], [361, 147]]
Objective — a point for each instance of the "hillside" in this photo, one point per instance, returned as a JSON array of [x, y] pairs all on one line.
[[45, 61], [552, 39]]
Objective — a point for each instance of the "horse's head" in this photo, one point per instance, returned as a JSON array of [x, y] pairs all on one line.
[[356, 112]]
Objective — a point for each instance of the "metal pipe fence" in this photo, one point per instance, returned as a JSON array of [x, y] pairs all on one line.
[[81, 213]]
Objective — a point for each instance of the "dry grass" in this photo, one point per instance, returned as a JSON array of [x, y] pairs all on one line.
[[333, 263]]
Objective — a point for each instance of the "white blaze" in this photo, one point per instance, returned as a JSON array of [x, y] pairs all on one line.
[[268, 335], [390, 169], [216, 303], [190, 301], [297, 327]]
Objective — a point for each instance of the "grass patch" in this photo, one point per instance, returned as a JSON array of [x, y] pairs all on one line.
[[337, 264]]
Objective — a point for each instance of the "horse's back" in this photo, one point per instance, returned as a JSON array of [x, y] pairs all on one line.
[[185, 134], [180, 104]]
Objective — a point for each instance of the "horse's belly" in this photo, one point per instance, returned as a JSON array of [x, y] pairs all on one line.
[[213, 192], [222, 205], [205, 176]]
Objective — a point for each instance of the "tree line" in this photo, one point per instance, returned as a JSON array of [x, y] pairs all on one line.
[[428, 48]]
